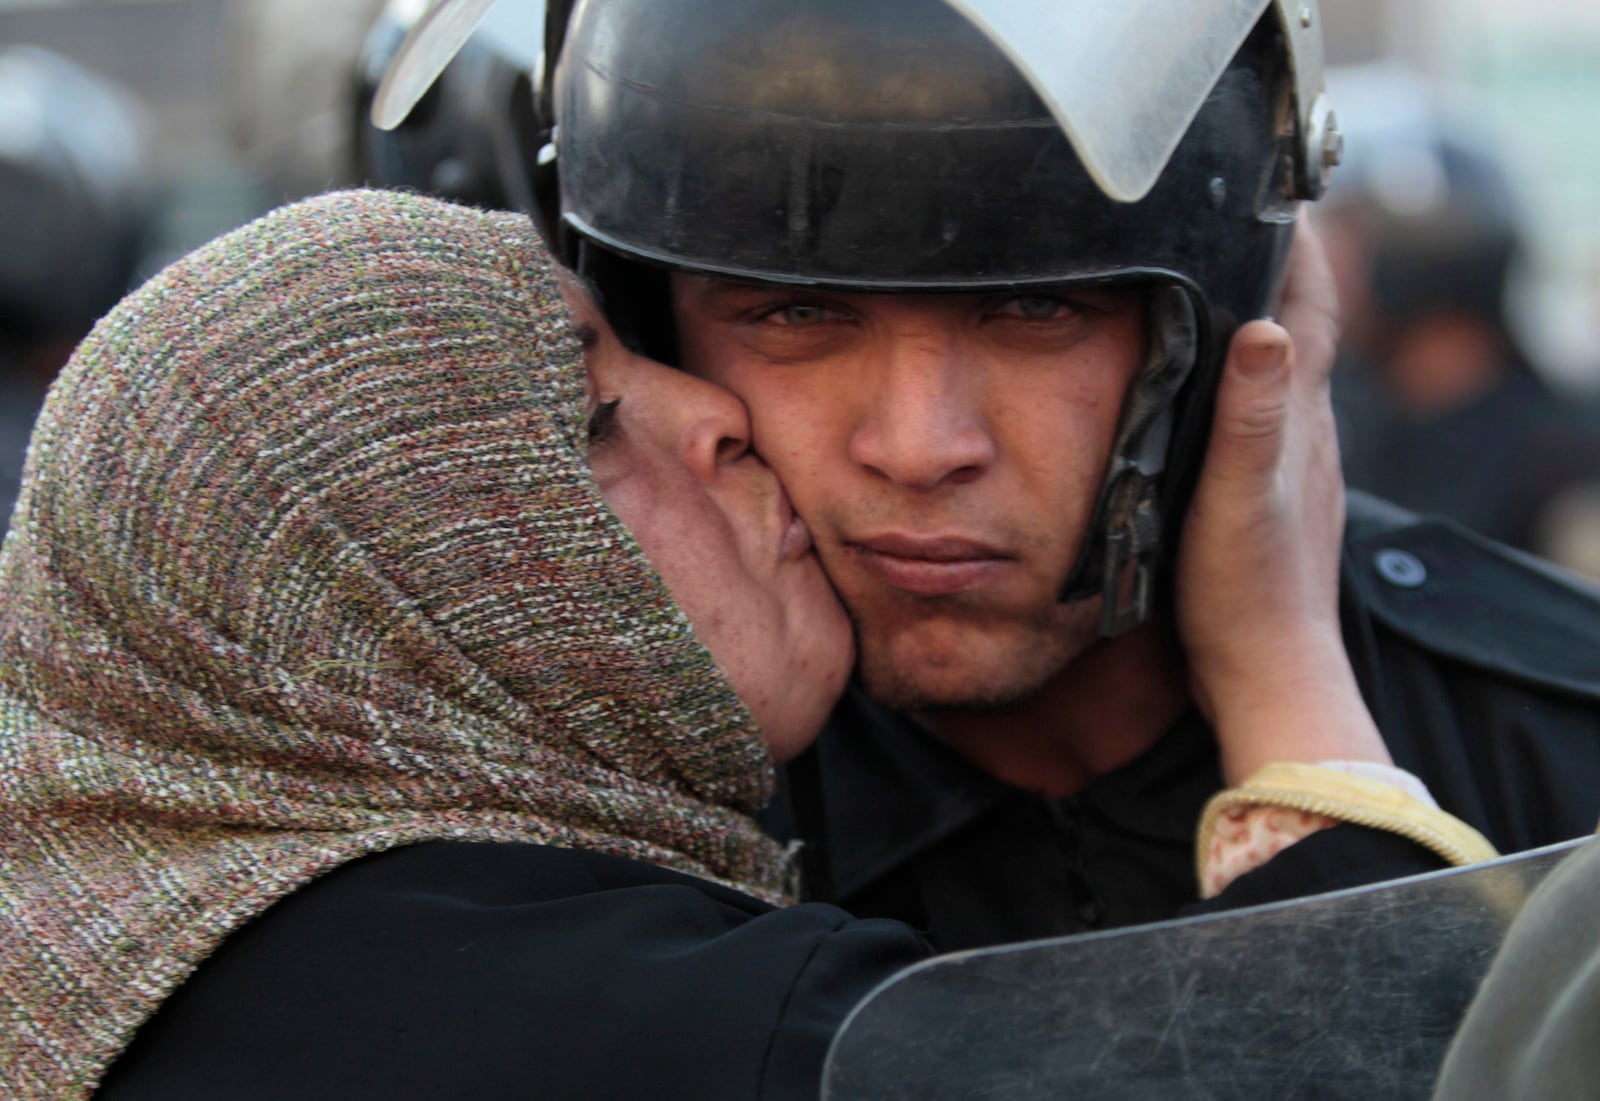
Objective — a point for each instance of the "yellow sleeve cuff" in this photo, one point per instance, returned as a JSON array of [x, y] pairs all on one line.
[[1352, 799]]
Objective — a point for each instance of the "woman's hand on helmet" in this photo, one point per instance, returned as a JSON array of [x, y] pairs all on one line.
[[1259, 563]]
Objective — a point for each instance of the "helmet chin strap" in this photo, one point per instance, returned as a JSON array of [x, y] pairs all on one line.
[[1123, 543], [1131, 536]]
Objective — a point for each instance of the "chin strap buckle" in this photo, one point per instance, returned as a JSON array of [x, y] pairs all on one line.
[[1125, 597]]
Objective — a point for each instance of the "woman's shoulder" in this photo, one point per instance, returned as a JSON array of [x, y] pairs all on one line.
[[479, 968]]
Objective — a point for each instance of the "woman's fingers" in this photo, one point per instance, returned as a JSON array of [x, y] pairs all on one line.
[[1252, 415]]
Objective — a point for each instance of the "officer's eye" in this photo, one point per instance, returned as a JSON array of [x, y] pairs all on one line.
[[603, 421], [798, 315], [1036, 307]]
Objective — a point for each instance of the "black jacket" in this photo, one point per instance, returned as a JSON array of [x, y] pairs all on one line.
[[1481, 666], [482, 971]]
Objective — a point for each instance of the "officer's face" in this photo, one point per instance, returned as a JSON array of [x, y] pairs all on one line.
[[945, 451]]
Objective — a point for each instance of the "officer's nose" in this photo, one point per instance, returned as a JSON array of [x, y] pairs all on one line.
[[923, 426]]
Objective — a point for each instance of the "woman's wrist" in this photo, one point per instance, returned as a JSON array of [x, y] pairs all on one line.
[[1304, 706]]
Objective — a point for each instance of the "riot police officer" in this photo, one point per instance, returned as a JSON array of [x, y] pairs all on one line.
[[980, 275]]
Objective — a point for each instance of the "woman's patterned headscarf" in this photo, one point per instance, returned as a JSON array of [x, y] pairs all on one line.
[[308, 564]]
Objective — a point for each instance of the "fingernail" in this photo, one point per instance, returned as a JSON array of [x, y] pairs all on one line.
[[1262, 361]]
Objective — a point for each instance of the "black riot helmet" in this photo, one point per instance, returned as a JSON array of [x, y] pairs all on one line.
[[950, 146]]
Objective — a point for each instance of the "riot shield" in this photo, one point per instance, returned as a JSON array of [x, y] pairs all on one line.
[[1348, 995]]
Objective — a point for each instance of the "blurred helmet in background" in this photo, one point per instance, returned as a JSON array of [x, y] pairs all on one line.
[[1424, 213], [74, 194], [295, 76]]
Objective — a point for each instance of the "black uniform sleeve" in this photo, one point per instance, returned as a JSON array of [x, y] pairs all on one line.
[[1329, 860], [513, 971]]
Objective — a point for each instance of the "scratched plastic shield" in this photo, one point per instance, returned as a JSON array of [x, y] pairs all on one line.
[[1350, 996]]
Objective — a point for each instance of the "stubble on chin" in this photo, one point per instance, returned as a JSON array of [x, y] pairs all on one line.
[[969, 663]]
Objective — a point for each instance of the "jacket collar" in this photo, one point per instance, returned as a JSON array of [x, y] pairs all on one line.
[[891, 791]]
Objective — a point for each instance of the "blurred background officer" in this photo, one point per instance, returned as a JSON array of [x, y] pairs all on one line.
[[74, 207], [129, 134], [1441, 409], [293, 75]]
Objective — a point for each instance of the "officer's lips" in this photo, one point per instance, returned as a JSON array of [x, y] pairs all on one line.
[[929, 565]]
